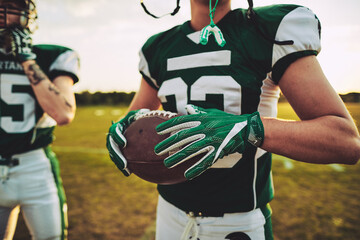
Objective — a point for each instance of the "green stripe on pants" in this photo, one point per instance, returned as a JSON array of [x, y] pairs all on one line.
[[55, 167]]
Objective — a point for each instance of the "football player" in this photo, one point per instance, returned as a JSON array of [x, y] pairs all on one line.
[[225, 69], [35, 95]]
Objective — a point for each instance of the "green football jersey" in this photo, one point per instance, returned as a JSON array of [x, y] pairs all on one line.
[[240, 78], [23, 124]]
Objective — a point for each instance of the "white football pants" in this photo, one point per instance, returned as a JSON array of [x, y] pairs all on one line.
[[31, 188], [173, 223]]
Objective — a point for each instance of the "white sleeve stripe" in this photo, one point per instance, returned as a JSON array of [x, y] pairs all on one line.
[[301, 26], [144, 68], [68, 62]]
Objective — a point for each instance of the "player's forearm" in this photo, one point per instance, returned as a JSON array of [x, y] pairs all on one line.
[[146, 97], [61, 107], [328, 139]]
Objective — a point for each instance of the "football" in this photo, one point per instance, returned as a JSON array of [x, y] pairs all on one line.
[[141, 139]]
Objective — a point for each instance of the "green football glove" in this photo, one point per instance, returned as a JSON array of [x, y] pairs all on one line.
[[21, 44], [115, 139], [209, 131]]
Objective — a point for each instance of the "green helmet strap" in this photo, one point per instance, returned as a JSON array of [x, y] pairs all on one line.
[[212, 29]]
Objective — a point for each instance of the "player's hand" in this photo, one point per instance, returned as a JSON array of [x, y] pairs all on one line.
[[21, 44], [209, 131], [115, 139]]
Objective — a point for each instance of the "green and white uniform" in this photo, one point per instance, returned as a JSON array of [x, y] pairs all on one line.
[[240, 78], [23, 126], [25, 134]]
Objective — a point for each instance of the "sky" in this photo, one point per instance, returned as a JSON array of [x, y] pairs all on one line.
[[108, 35]]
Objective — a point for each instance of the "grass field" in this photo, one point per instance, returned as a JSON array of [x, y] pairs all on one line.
[[311, 201]]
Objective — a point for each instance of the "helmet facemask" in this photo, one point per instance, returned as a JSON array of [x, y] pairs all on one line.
[[25, 9]]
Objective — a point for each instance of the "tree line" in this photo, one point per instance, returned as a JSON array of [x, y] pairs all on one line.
[[103, 98], [124, 98], [353, 97]]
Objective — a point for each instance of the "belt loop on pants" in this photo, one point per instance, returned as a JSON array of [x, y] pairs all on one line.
[[10, 162], [205, 214], [5, 164]]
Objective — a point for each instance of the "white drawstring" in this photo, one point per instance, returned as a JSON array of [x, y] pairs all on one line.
[[190, 226]]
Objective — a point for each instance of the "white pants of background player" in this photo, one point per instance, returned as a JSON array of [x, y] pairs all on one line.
[[173, 223], [30, 187]]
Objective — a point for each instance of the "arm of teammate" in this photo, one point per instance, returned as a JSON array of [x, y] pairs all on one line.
[[56, 98], [326, 132], [144, 100], [145, 97]]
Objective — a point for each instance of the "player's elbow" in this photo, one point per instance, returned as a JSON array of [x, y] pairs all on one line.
[[352, 160], [356, 156], [350, 143], [351, 155], [64, 119]]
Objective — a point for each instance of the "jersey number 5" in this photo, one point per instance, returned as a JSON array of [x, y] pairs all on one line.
[[10, 97]]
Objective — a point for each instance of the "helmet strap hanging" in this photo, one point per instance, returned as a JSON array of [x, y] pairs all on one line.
[[251, 16], [176, 10], [212, 29]]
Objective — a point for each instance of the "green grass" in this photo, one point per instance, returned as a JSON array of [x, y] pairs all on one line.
[[311, 201], [316, 201]]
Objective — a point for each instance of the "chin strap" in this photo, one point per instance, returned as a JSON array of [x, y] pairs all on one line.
[[176, 10], [212, 29]]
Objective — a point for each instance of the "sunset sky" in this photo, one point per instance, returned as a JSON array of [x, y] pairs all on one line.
[[108, 35]]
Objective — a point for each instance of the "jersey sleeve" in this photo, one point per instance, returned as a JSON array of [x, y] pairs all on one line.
[[302, 27], [153, 61], [145, 72], [57, 60], [67, 63]]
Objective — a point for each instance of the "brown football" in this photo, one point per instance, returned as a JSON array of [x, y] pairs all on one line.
[[141, 139]]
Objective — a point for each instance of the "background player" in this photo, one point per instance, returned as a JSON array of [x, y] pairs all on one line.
[[36, 94], [267, 49]]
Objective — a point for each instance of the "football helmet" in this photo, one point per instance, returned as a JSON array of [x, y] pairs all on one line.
[[26, 9]]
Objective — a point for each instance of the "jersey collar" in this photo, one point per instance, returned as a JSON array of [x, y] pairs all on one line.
[[194, 36]]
